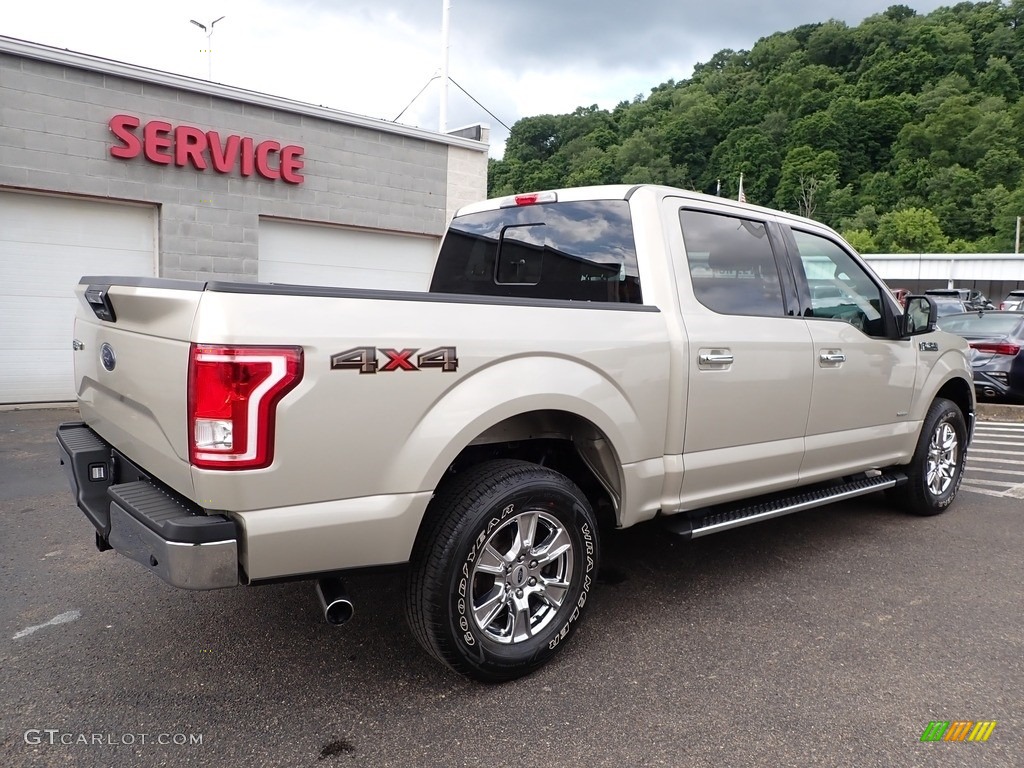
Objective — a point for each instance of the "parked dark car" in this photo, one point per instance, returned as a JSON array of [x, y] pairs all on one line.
[[997, 348], [947, 305]]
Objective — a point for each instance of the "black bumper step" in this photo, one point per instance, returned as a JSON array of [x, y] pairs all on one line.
[[703, 522], [172, 518], [88, 465]]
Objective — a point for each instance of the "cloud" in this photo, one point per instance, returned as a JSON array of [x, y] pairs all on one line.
[[371, 57]]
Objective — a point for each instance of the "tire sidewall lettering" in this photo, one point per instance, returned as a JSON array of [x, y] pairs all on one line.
[[950, 417], [465, 629], [588, 543]]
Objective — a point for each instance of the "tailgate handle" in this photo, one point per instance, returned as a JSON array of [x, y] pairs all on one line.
[[98, 297]]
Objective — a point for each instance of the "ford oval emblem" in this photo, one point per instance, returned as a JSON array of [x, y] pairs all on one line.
[[107, 356]]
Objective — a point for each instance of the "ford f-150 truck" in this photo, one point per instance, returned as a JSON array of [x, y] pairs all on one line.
[[584, 360]]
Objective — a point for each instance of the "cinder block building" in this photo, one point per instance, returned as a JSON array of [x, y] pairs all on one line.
[[112, 169]]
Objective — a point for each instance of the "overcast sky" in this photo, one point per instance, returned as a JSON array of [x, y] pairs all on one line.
[[518, 58]]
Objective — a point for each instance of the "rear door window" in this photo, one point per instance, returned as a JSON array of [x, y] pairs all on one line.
[[732, 264], [572, 251]]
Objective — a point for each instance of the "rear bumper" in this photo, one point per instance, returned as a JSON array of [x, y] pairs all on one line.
[[1003, 383], [158, 528]]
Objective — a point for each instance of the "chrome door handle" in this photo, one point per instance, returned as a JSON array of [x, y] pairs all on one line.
[[714, 358], [831, 357]]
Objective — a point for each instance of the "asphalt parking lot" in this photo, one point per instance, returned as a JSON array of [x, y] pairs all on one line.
[[828, 638]]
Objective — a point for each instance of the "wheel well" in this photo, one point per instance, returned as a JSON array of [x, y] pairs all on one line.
[[959, 391], [565, 442]]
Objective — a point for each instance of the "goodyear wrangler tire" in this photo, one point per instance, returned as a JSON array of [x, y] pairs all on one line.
[[935, 472], [502, 570]]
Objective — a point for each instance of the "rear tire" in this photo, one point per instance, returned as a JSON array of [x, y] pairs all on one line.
[[935, 472], [502, 569]]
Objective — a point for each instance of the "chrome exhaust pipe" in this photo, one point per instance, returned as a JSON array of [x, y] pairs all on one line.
[[334, 600], [989, 392]]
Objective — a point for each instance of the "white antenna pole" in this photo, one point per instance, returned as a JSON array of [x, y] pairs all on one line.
[[445, 29], [209, 49], [208, 31]]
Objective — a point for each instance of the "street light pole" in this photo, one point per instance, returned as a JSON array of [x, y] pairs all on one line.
[[209, 45]]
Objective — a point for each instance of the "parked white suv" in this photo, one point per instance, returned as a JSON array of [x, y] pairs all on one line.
[[1014, 301]]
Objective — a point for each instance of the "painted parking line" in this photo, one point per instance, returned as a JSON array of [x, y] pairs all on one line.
[[992, 469], [974, 459], [971, 488]]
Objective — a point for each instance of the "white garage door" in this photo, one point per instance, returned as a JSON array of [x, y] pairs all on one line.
[[46, 245], [313, 254]]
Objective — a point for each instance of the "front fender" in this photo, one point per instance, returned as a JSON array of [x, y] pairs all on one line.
[[933, 375]]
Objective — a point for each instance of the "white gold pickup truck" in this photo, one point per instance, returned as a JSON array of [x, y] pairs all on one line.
[[585, 360]]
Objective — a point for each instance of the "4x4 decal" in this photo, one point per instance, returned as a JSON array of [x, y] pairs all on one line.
[[365, 359]]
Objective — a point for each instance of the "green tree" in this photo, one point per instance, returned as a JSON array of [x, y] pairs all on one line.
[[533, 138], [834, 46], [808, 176], [911, 230], [903, 111], [865, 218], [748, 151], [999, 79], [820, 130], [950, 196], [861, 239]]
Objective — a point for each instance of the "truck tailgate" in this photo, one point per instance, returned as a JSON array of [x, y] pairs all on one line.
[[131, 370]]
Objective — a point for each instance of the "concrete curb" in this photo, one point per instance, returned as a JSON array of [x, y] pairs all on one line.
[[994, 412]]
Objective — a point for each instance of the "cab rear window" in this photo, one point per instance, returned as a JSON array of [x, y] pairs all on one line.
[[572, 251]]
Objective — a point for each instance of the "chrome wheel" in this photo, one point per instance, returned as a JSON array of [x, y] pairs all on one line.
[[501, 572], [943, 459], [521, 577]]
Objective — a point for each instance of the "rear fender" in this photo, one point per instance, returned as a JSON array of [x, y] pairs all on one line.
[[506, 389]]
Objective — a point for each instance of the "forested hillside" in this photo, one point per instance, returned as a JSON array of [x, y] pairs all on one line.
[[906, 133]]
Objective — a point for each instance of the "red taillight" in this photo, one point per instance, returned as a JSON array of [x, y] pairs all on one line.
[[233, 394], [996, 348]]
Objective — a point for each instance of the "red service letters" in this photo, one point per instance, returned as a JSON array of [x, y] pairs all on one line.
[[182, 145]]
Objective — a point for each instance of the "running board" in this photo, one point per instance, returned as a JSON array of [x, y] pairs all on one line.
[[701, 522]]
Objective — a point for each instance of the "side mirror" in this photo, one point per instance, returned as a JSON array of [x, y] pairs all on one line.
[[919, 316]]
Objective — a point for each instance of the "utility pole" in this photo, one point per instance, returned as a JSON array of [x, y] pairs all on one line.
[[1016, 242], [209, 45]]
